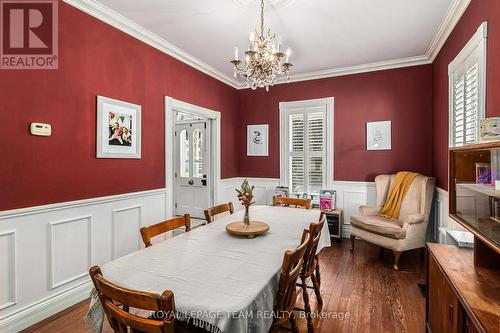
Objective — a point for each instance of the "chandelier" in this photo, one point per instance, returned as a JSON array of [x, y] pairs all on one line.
[[264, 61]]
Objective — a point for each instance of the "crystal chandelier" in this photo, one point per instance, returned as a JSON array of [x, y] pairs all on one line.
[[263, 59]]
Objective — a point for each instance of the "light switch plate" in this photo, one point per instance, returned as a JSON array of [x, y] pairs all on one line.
[[40, 129]]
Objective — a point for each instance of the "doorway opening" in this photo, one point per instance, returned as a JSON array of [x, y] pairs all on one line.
[[192, 158], [192, 147]]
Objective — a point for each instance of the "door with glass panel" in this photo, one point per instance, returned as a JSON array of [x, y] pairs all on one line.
[[192, 168]]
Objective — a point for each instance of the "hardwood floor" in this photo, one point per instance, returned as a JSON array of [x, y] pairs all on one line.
[[362, 287]]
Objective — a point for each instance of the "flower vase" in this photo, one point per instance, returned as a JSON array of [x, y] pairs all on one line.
[[246, 218]]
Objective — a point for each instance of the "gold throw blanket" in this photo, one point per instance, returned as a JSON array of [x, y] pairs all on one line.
[[393, 204]]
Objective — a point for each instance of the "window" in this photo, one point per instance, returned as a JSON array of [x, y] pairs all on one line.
[[306, 148], [197, 153], [467, 83], [184, 154]]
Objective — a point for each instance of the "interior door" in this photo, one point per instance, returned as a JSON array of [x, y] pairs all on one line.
[[192, 168]]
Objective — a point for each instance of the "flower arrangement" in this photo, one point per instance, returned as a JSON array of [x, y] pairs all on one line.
[[245, 197]]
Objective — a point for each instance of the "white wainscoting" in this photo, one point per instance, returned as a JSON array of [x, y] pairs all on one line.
[[68, 266], [350, 194], [124, 234], [8, 269], [46, 251], [442, 218], [263, 192]]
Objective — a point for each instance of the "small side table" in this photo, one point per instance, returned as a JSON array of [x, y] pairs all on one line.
[[335, 220]]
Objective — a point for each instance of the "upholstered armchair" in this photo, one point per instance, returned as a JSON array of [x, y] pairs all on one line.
[[409, 231]]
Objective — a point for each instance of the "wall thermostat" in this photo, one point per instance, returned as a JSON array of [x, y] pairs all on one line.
[[41, 129]]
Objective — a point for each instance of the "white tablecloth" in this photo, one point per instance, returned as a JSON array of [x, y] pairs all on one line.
[[220, 282]]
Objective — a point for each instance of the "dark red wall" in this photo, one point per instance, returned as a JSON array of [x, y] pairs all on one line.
[[403, 96], [477, 12], [96, 59]]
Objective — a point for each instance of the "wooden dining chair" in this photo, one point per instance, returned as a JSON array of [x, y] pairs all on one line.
[[216, 210], [117, 302], [156, 229], [292, 202], [310, 268], [287, 287]]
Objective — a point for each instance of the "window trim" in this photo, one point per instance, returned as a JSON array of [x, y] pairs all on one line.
[[477, 42], [285, 108]]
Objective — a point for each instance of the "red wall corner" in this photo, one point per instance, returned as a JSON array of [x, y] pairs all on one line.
[[403, 96]]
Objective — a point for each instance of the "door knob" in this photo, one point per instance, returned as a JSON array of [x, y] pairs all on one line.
[[190, 182]]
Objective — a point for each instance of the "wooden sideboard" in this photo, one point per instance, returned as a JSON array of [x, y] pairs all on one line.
[[462, 297], [464, 284]]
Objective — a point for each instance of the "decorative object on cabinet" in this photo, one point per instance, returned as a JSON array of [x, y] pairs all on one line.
[[483, 173], [281, 191], [489, 129], [378, 135], [327, 200], [118, 129]]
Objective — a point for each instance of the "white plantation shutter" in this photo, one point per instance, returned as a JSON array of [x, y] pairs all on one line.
[[458, 104], [296, 148], [306, 149], [467, 76], [316, 150], [471, 122]]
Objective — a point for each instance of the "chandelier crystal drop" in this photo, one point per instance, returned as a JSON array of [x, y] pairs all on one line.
[[264, 60]]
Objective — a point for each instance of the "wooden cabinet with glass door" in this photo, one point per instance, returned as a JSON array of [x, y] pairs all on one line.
[[464, 284]]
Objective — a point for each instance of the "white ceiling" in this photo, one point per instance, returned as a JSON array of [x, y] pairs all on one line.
[[323, 34]]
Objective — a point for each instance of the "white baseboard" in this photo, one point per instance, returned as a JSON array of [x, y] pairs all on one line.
[[45, 308]]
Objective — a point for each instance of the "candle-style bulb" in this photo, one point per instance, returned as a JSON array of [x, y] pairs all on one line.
[[236, 53], [288, 53]]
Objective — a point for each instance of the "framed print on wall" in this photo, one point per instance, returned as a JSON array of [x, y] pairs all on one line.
[[257, 140], [378, 135], [118, 129]]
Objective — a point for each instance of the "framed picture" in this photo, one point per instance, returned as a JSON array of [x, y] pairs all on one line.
[[118, 129], [257, 140], [378, 135], [327, 200], [483, 173]]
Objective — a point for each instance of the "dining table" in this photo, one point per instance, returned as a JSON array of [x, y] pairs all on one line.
[[221, 282]]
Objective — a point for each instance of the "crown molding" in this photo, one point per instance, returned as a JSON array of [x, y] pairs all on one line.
[[357, 69], [455, 12], [109, 16]]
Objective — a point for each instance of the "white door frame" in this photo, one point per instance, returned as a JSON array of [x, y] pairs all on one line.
[[172, 105]]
